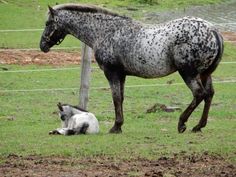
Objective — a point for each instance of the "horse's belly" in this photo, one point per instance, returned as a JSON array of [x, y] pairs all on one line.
[[150, 56], [149, 67]]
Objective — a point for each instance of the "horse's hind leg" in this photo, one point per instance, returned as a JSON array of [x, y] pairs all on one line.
[[198, 91], [83, 129], [207, 83]]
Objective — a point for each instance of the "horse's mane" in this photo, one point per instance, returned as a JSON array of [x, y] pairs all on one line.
[[76, 107], [86, 9]]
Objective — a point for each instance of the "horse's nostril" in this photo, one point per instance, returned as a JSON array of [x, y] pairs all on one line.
[[44, 49], [47, 39]]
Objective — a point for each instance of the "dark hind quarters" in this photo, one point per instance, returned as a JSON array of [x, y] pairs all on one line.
[[202, 89], [218, 51], [70, 132], [218, 57], [207, 84]]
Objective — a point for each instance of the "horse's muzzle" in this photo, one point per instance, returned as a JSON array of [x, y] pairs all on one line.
[[44, 47]]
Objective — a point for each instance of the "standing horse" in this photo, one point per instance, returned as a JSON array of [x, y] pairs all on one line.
[[123, 46]]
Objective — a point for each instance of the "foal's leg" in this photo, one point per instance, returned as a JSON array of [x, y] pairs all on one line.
[[198, 91], [59, 131], [117, 81], [54, 132], [207, 83], [82, 129]]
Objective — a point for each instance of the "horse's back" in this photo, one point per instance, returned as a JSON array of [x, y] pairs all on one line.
[[151, 51], [163, 49], [148, 56]]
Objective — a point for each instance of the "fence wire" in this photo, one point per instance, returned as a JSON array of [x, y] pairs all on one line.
[[5, 70]]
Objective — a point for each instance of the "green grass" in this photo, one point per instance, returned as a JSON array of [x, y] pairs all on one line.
[[27, 117], [27, 14]]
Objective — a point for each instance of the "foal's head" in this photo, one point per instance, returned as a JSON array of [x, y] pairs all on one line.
[[66, 111], [54, 32]]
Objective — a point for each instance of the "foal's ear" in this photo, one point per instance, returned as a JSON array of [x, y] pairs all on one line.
[[52, 11], [59, 105]]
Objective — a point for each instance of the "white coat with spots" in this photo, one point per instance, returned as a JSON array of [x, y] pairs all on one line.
[[76, 121]]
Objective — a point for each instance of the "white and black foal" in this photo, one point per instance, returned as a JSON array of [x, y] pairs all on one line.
[[75, 121]]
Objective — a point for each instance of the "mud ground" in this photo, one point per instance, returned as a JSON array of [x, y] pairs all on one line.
[[180, 165], [25, 57]]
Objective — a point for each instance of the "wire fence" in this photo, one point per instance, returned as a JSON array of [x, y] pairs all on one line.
[[37, 49], [229, 80], [99, 88], [32, 30], [76, 47], [5, 70]]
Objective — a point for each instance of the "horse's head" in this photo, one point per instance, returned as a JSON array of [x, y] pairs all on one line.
[[54, 32], [66, 111]]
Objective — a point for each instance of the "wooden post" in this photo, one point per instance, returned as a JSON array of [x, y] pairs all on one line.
[[85, 75]]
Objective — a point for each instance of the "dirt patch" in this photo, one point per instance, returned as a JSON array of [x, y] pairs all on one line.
[[23, 57], [230, 36], [180, 165], [162, 107]]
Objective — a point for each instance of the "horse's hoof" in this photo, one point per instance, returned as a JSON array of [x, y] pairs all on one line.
[[182, 128], [196, 129], [115, 130], [54, 132]]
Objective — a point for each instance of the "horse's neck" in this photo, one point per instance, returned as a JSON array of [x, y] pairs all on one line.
[[89, 27], [76, 111]]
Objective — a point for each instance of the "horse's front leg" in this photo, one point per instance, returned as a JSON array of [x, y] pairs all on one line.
[[55, 132], [116, 80], [60, 131]]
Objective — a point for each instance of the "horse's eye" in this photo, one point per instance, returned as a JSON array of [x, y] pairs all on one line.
[[47, 23], [62, 115]]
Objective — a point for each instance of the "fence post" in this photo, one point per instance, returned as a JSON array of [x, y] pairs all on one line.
[[85, 76]]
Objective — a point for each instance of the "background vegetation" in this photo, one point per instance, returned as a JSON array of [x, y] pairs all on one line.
[[28, 14]]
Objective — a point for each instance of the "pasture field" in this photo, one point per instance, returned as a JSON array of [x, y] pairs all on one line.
[[26, 117]]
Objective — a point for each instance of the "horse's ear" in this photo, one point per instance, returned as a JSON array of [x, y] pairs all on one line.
[[59, 105], [52, 11]]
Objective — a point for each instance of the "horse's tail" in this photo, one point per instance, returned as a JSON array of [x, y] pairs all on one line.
[[220, 43]]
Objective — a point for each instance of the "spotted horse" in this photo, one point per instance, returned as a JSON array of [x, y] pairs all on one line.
[[125, 47]]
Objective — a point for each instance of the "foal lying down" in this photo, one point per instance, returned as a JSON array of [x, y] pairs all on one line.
[[75, 121]]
